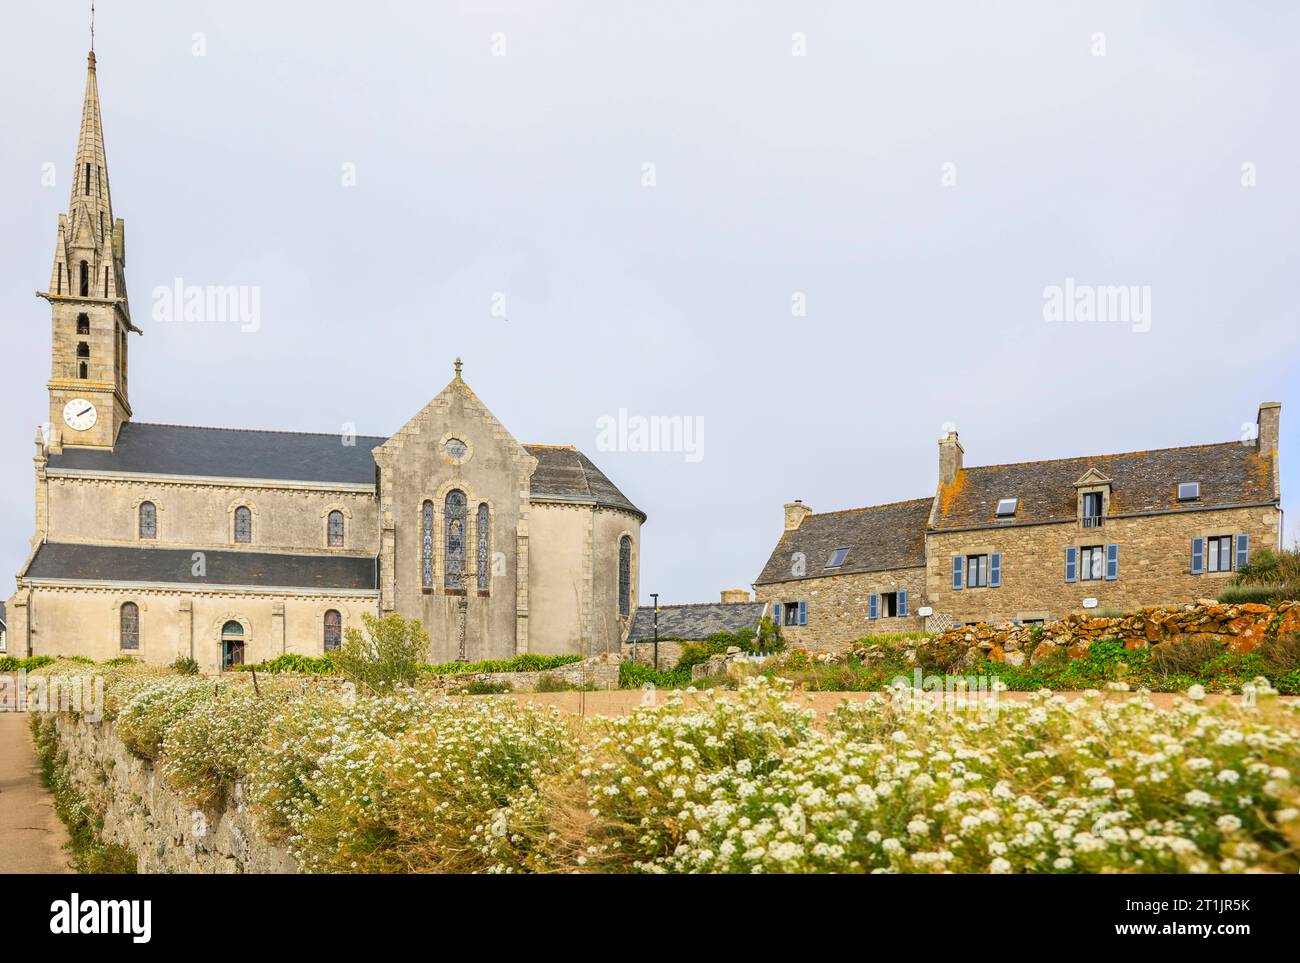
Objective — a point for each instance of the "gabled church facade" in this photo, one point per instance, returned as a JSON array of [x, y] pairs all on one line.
[[229, 546]]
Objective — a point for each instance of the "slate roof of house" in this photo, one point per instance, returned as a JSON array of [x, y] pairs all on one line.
[[1231, 473], [878, 538], [695, 622], [124, 563], [563, 473]]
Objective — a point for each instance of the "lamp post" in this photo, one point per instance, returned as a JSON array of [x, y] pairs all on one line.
[[655, 599]]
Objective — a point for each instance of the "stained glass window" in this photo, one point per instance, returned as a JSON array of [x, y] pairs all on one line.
[[453, 550], [148, 520], [333, 630], [455, 448], [130, 625], [426, 549], [335, 529], [243, 524], [484, 548], [624, 575]]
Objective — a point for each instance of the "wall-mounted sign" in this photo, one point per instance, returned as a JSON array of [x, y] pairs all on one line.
[[925, 611], [1089, 603]]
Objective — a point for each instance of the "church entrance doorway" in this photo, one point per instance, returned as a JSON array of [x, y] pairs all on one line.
[[232, 645]]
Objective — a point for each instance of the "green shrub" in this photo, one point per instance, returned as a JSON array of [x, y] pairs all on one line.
[[185, 665], [143, 722], [293, 662], [547, 682], [527, 662], [1255, 592], [121, 660], [1280, 657], [11, 663], [208, 749], [1185, 655], [387, 656]]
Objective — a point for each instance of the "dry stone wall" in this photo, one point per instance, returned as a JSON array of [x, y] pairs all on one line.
[[167, 834], [1239, 627]]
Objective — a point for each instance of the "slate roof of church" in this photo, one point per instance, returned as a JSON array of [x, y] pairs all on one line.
[[695, 622], [125, 563], [878, 538], [1230, 474], [563, 473]]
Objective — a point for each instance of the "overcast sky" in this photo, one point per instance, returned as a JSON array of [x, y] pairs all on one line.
[[915, 175]]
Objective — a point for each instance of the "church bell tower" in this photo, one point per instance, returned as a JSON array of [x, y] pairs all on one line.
[[90, 318]]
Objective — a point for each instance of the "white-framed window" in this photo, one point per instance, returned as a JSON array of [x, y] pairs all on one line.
[[1092, 563], [1218, 553]]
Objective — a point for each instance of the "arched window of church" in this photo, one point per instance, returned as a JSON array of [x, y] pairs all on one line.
[[484, 549], [85, 279], [453, 549], [148, 520], [334, 529], [333, 630], [83, 324], [243, 524], [86, 186], [426, 547], [130, 617], [83, 359], [624, 575]]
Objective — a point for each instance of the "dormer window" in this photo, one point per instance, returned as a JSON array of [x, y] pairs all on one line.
[[1189, 491], [1092, 509], [1007, 507], [837, 558]]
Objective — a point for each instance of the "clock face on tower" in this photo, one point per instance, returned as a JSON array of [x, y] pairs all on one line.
[[79, 414]]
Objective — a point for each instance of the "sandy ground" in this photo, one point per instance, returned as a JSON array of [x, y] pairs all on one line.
[[31, 836]]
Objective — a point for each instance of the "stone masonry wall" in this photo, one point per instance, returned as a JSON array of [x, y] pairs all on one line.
[[837, 606], [1154, 564], [141, 813]]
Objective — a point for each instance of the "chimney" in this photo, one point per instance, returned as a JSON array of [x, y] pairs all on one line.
[[1270, 417], [735, 596], [795, 512], [950, 452]]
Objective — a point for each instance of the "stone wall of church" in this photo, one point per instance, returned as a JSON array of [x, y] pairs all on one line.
[[415, 467], [1154, 564], [573, 578], [285, 518], [87, 621]]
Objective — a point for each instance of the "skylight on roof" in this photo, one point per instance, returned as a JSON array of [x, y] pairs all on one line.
[[1189, 491], [1007, 507], [837, 558]]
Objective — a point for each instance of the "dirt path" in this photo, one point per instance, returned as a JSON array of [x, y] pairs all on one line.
[[31, 836]]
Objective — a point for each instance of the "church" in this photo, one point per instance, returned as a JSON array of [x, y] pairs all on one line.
[[231, 546]]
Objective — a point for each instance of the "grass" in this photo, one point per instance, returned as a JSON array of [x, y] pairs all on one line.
[[90, 853]]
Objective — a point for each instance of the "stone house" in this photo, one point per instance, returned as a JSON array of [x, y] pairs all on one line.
[[692, 622], [232, 546], [1032, 541]]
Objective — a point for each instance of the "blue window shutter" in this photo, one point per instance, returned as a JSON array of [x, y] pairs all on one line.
[[803, 613], [1071, 563], [1198, 556], [1243, 551], [776, 613], [995, 570], [1112, 562], [902, 602], [873, 606], [957, 563]]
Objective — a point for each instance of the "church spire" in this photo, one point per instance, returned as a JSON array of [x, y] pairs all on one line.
[[90, 316], [89, 259]]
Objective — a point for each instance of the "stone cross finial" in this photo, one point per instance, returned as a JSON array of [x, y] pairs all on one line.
[[458, 365]]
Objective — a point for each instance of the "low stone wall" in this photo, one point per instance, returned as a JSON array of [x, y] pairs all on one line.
[[600, 672], [141, 813], [670, 653], [1239, 627]]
